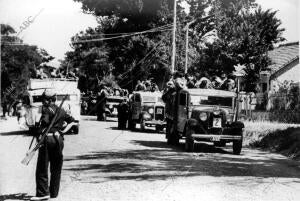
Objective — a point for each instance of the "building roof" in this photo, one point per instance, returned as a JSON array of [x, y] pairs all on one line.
[[282, 56]]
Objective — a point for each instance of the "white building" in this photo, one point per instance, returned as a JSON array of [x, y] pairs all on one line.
[[284, 66]]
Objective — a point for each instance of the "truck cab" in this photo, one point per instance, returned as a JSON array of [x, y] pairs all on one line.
[[204, 115], [147, 109], [62, 87], [112, 103]]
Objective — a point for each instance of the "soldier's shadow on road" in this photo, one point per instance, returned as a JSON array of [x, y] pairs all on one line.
[[16, 196], [153, 160], [137, 130], [23, 132]]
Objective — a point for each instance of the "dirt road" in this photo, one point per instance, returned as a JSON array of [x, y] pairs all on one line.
[[103, 163]]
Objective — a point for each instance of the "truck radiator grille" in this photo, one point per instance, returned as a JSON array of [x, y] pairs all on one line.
[[159, 113]]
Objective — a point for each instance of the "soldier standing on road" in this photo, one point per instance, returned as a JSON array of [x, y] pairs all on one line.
[[175, 84], [51, 151], [101, 102], [123, 110]]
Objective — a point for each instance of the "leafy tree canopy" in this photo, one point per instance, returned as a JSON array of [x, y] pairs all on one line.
[[224, 33], [18, 61]]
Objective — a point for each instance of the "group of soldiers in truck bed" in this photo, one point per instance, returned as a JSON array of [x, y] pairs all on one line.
[[204, 81], [92, 99]]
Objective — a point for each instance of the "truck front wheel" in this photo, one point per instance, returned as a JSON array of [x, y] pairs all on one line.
[[189, 140], [237, 147], [237, 144]]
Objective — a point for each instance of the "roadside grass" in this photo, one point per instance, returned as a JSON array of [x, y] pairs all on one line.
[[274, 136]]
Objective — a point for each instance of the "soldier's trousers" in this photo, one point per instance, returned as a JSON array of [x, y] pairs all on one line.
[[50, 152], [122, 121]]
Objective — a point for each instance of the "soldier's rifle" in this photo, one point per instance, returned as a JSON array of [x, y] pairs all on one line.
[[31, 153]]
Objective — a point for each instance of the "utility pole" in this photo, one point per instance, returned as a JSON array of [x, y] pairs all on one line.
[[187, 45], [174, 39], [0, 65]]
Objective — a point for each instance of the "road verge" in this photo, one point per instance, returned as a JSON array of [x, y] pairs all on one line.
[[275, 137]]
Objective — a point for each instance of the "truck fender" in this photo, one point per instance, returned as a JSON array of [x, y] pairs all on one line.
[[107, 111], [144, 115], [191, 123]]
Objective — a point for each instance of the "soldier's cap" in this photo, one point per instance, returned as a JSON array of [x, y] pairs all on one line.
[[49, 93]]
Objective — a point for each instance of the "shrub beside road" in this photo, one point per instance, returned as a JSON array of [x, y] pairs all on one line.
[[275, 137]]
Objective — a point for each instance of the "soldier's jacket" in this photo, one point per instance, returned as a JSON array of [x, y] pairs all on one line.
[[48, 114], [167, 97], [123, 109], [101, 100]]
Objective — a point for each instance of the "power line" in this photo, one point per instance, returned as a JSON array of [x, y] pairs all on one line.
[[144, 57], [126, 33], [140, 71], [121, 36]]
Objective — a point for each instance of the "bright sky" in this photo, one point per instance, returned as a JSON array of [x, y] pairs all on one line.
[[53, 28], [59, 20]]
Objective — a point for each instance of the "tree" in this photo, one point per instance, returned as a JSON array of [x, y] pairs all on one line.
[[136, 57], [19, 61], [244, 34], [224, 33]]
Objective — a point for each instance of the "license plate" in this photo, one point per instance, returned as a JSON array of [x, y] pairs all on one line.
[[216, 138], [217, 123], [159, 111]]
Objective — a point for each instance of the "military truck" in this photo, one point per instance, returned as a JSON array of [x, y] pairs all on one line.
[[146, 109], [62, 87], [204, 115]]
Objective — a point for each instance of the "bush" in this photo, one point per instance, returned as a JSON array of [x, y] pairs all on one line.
[[285, 116], [277, 137]]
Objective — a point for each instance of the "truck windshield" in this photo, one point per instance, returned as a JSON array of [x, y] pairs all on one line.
[[149, 99], [114, 100], [37, 99], [59, 97], [211, 100]]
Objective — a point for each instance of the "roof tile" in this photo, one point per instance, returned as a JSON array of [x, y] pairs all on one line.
[[283, 55]]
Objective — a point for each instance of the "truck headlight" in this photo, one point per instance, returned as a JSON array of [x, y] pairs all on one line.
[[203, 116], [229, 118], [150, 110]]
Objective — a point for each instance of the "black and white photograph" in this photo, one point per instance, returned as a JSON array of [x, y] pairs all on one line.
[[149, 100]]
